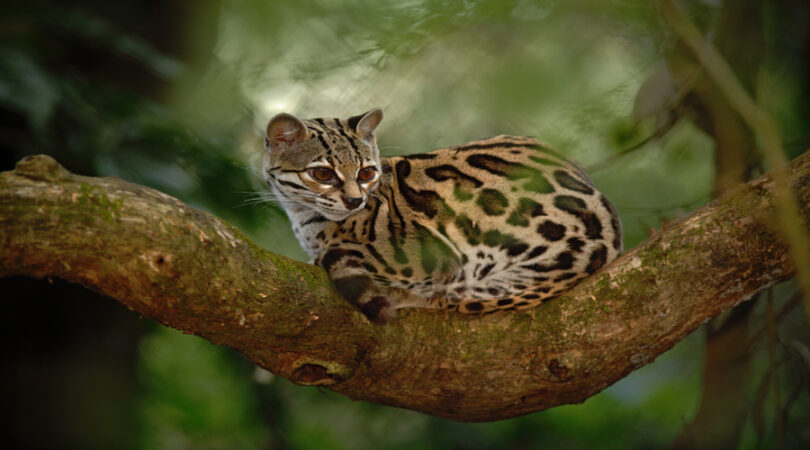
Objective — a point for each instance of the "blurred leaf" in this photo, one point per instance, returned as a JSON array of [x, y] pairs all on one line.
[[100, 32], [26, 88], [658, 95], [624, 133], [192, 396]]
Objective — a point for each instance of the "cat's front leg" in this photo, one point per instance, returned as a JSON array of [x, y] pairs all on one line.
[[360, 291], [348, 270], [379, 303]]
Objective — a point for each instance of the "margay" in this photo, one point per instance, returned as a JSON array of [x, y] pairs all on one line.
[[498, 224]]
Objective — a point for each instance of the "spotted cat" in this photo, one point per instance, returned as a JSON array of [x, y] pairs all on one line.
[[498, 224]]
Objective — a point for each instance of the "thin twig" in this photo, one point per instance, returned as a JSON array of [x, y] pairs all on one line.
[[794, 394], [774, 374], [786, 308], [657, 134]]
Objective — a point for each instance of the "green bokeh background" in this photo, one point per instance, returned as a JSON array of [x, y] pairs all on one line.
[[175, 95]]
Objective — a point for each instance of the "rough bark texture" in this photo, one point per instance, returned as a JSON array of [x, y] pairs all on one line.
[[188, 270]]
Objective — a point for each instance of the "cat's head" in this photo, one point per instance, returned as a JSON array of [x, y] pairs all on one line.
[[329, 165]]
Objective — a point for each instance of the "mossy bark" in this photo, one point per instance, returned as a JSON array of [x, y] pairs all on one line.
[[189, 270]]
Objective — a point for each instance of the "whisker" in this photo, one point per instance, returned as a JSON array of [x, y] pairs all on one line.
[[251, 168]]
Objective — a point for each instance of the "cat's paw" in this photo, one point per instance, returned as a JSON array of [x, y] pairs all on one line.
[[378, 309]]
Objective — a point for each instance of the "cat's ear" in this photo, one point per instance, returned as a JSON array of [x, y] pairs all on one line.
[[283, 131], [365, 124]]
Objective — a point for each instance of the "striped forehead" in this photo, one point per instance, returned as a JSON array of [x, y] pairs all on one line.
[[339, 141]]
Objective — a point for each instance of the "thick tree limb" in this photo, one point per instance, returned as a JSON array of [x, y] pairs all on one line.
[[188, 270]]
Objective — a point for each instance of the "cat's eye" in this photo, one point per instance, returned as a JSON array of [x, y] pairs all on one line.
[[365, 174], [322, 174]]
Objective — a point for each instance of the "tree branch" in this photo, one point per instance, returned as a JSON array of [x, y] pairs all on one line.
[[189, 270]]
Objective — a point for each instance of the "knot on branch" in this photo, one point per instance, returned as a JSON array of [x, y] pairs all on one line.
[[319, 373], [41, 167], [159, 261], [560, 371]]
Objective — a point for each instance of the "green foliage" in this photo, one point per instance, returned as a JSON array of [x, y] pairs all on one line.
[[194, 395]]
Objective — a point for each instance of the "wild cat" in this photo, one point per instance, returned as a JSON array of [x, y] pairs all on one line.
[[497, 224]]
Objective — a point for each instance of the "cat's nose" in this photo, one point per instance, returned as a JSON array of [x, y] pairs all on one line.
[[352, 202]]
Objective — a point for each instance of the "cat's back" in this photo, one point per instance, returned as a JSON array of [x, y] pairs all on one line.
[[512, 208], [504, 181]]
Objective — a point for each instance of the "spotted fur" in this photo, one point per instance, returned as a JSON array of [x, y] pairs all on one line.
[[499, 224]]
